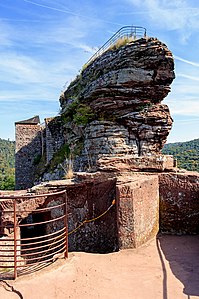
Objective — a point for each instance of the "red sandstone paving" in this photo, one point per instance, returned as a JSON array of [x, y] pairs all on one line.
[[166, 268]]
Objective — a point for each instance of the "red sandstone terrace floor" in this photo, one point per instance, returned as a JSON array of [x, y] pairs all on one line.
[[166, 268]]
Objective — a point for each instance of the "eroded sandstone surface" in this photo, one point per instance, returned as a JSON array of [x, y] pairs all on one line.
[[121, 92]]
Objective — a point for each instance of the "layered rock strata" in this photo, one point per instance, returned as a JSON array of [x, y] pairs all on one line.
[[123, 90], [123, 80]]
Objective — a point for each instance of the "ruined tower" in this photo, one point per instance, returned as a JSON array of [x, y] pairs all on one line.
[[28, 151]]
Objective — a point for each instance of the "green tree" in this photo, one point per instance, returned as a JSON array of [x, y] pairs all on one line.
[[7, 171], [186, 153]]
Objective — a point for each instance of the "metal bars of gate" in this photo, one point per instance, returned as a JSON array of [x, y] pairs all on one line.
[[46, 234]]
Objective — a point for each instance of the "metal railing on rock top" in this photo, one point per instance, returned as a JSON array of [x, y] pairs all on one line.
[[32, 239], [133, 32]]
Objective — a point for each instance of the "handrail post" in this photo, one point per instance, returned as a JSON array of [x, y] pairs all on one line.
[[66, 225], [15, 240], [135, 31], [51, 241]]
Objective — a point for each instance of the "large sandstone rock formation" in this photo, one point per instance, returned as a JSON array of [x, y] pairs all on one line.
[[121, 93]]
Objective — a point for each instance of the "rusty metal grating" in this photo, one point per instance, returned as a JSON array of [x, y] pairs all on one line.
[[32, 239]]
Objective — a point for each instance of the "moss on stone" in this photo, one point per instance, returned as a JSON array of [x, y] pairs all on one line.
[[62, 154], [80, 114]]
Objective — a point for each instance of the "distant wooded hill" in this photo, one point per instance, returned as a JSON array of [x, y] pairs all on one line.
[[186, 153], [7, 152]]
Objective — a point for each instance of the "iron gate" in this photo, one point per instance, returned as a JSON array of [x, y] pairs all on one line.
[[32, 239]]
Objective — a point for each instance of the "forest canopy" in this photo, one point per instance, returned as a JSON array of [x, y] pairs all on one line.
[[186, 153], [7, 164]]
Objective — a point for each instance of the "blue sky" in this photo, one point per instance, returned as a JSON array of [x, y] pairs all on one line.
[[44, 44]]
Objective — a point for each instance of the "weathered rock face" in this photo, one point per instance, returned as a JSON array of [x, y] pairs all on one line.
[[123, 80], [123, 89], [149, 128], [128, 163]]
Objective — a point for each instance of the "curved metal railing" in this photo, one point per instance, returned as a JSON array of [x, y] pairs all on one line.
[[133, 32], [35, 240]]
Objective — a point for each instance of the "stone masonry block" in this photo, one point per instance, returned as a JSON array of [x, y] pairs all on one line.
[[138, 211]]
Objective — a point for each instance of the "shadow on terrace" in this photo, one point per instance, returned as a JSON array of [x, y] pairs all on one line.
[[181, 252]]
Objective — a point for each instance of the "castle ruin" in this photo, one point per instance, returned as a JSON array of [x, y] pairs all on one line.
[[113, 126]]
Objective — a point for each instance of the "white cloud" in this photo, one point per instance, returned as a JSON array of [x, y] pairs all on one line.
[[172, 15], [63, 10], [188, 77], [87, 48], [184, 87], [36, 63], [186, 61], [23, 70], [19, 68], [5, 36], [44, 43], [189, 107], [27, 97], [47, 6], [184, 96], [188, 121]]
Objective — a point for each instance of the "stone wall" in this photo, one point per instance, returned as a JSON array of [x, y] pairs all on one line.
[[87, 201], [128, 224], [54, 136], [134, 219], [179, 202], [28, 151], [131, 222], [33, 142]]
